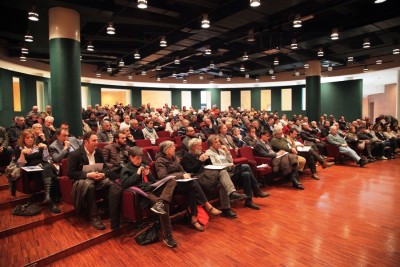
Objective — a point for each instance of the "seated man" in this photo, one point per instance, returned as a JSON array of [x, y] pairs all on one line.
[[377, 148], [39, 135], [5, 151], [209, 127], [116, 155], [15, 130], [106, 134], [63, 146], [241, 175], [137, 174], [251, 137], [225, 139], [190, 134], [135, 131], [48, 128], [279, 143], [335, 139], [194, 162], [311, 156], [282, 162], [88, 181], [310, 139]]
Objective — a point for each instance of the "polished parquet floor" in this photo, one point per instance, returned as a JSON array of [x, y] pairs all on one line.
[[351, 217]]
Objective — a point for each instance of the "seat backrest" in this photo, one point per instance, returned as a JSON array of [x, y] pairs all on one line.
[[143, 143], [246, 152], [101, 145], [162, 134], [233, 153], [332, 150], [147, 151], [64, 167], [204, 146], [153, 169], [178, 140]]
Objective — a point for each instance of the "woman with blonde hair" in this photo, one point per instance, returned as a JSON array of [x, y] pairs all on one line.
[[29, 154]]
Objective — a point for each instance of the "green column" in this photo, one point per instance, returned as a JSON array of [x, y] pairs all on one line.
[[313, 91], [65, 67]]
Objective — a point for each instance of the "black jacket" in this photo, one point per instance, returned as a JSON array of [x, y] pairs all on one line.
[[78, 158]]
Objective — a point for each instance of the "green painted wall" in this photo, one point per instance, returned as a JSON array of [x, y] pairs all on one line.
[[196, 99], [342, 98], [215, 97]]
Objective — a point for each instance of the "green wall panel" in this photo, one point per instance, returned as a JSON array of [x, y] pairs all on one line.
[[342, 98]]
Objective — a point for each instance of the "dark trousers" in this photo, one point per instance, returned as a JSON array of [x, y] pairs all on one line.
[[94, 188], [245, 178], [311, 156], [165, 193], [194, 192]]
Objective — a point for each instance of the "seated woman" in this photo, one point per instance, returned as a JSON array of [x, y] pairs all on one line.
[[135, 173], [194, 162], [29, 154], [392, 137], [167, 165], [149, 132]]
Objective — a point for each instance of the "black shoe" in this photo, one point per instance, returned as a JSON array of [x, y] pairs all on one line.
[[251, 205], [314, 176], [228, 213], [158, 208], [298, 185], [54, 209], [169, 240], [97, 223], [362, 162], [259, 193], [236, 196]]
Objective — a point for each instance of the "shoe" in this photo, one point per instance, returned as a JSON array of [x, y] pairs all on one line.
[[158, 208], [251, 205], [362, 163], [236, 196], [314, 176], [382, 158], [214, 211], [170, 242], [324, 157], [327, 164], [259, 193], [97, 223], [197, 226], [298, 185], [53, 208], [228, 213]]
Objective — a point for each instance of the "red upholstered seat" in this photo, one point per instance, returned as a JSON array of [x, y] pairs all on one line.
[[237, 160], [163, 134], [247, 152]]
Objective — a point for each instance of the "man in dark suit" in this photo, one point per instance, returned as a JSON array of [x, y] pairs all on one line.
[[63, 146], [94, 181]]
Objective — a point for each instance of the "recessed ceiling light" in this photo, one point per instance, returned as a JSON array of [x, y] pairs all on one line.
[[365, 68], [306, 65], [109, 69], [276, 61], [28, 38], [24, 50], [255, 3], [208, 50], [33, 15], [273, 77], [294, 44], [297, 21], [158, 79], [350, 59], [22, 58], [212, 65], [320, 52], [242, 68], [130, 77], [366, 43], [136, 55], [379, 1], [121, 63], [177, 61], [98, 75], [205, 22], [379, 61], [90, 47], [245, 56], [163, 42], [142, 4], [228, 79], [144, 73], [396, 51], [110, 28], [335, 34], [191, 70]]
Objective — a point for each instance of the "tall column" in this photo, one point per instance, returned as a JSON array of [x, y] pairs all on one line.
[[65, 67], [313, 90]]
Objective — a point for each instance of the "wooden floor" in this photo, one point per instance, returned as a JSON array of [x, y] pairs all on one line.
[[351, 217]]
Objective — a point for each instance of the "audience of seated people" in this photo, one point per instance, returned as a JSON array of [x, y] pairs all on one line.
[[226, 130]]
